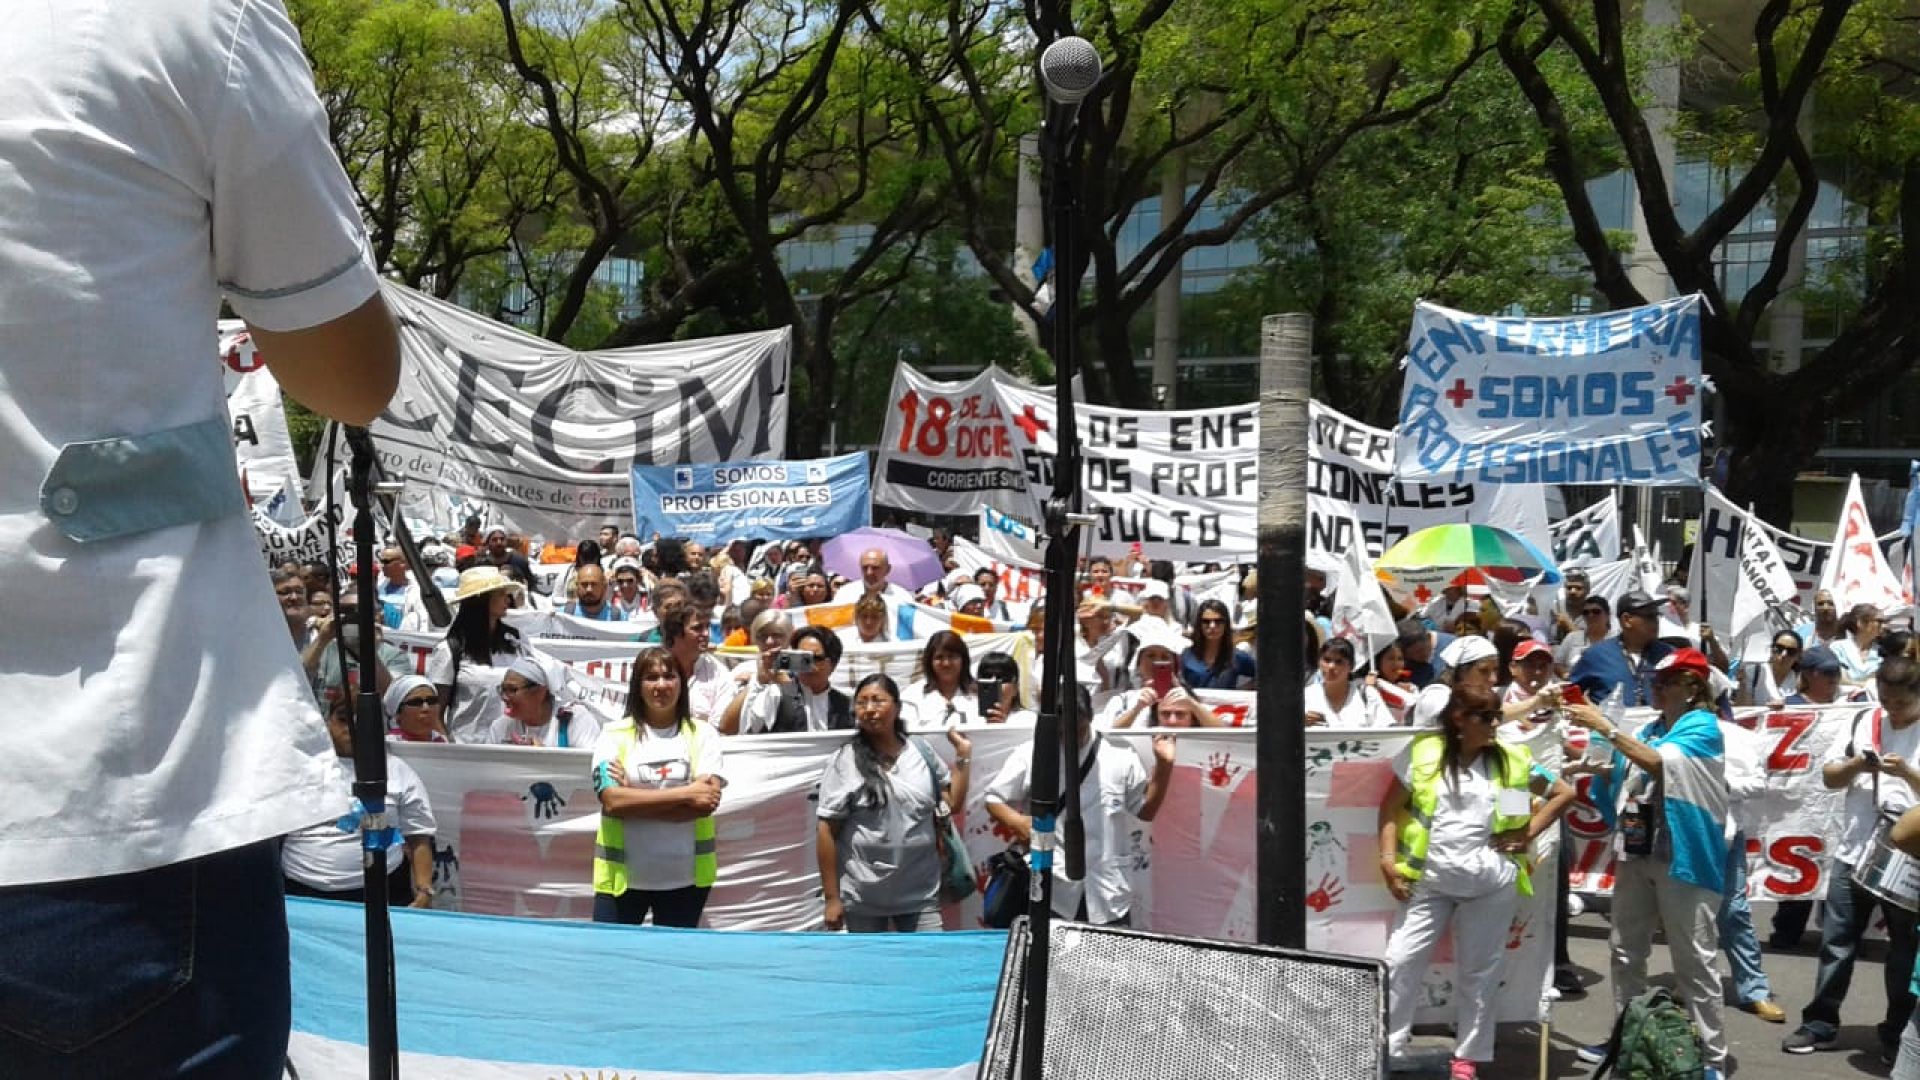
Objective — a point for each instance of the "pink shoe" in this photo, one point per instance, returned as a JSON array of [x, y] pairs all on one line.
[[1462, 1069]]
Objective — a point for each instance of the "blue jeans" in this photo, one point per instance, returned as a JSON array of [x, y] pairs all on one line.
[[1737, 938], [1849, 909], [175, 972]]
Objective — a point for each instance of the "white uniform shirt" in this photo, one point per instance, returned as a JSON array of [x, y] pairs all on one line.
[[711, 688], [1895, 796], [153, 154], [926, 709], [1108, 810], [477, 705], [327, 858], [1461, 861], [1363, 707]]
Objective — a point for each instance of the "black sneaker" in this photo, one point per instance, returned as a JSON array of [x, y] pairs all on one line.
[[1567, 981], [1805, 1040]]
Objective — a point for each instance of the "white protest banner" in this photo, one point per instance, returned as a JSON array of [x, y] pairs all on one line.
[[261, 446], [1590, 399], [1587, 537], [1857, 571], [947, 447], [1180, 484], [545, 435], [302, 543], [516, 829], [1737, 578], [1019, 585], [1009, 539], [1353, 493]]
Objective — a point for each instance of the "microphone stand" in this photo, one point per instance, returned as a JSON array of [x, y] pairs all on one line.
[[370, 776], [1056, 736]]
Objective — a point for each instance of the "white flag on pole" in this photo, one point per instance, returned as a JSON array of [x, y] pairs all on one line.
[[1360, 611], [1857, 573]]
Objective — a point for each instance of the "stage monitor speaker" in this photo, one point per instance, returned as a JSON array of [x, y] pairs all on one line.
[[1128, 1005]]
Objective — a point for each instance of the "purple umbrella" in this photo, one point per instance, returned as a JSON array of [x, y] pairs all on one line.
[[913, 559]]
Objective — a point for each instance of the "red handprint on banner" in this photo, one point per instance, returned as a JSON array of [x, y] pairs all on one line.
[[1220, 769], [1326, 894]]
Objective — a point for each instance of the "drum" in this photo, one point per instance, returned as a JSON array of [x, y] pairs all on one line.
[[1887, 872]]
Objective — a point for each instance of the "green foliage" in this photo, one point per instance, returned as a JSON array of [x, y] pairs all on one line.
[[936, 317]]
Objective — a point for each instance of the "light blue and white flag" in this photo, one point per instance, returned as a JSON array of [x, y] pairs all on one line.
[[488, 998]]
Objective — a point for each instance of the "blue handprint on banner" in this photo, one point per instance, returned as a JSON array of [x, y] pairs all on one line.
[[546, 799]]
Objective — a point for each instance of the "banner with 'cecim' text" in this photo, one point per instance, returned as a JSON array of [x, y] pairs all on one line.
[[547, 436]]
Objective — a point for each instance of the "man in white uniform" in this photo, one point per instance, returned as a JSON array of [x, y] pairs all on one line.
[[155, 154], [1114, 788]]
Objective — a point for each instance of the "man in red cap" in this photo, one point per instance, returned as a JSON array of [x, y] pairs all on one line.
[[1665, 794]]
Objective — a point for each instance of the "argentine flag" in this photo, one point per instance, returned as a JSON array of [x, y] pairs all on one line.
[[491, 998]]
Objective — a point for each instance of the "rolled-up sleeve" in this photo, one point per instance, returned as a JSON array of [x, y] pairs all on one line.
[[289, 247]]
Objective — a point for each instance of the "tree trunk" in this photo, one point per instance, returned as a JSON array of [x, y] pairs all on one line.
[[1118, 382], [1769, 440]]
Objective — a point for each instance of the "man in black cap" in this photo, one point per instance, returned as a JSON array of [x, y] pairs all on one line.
[[1625, 661], [1819, 672]]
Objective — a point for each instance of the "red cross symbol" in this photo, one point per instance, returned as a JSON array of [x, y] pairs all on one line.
[[1423, 594], [1680, 391], [1459, 395], [1030, 422]]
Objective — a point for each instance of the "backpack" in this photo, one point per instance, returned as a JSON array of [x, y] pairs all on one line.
[[1654, 1039]]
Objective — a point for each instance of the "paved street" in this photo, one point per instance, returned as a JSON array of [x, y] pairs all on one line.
[[1756, 1045]]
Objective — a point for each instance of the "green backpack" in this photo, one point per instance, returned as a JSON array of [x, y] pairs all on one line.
[[1654, 1039]]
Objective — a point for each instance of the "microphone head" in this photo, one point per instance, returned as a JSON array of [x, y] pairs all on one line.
[[1069, 68]]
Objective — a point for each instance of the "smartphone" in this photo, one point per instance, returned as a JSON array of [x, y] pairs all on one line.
[[1162, 677], [989, 696], [794, 662]]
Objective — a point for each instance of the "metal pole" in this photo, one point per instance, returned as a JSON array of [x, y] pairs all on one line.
[[1286, 344], [1056, 735], [370, 779]]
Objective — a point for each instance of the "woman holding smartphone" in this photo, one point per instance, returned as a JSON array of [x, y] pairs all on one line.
[[1156, 671]]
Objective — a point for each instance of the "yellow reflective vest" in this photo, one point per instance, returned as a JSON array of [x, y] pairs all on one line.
[[1426, 774], [610, 846]]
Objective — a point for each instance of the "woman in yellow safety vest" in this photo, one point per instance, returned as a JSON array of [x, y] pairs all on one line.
[[659, 781], [1455, 831]]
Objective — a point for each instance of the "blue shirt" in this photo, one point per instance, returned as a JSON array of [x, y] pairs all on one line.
[[1604, 668], [1197, 676]]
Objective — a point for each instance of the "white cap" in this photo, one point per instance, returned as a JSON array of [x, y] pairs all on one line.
[[966, 594], [1155, 590], [1466, 650]]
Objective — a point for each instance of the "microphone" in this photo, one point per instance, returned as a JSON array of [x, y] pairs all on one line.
[[1069, 69]]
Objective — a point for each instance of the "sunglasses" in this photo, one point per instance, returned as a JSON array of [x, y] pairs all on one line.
[[1593, 611], [1787, 650], [509, 691], [420, 702]]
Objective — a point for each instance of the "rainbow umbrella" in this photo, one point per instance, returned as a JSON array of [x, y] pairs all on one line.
[[1464, 554]]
